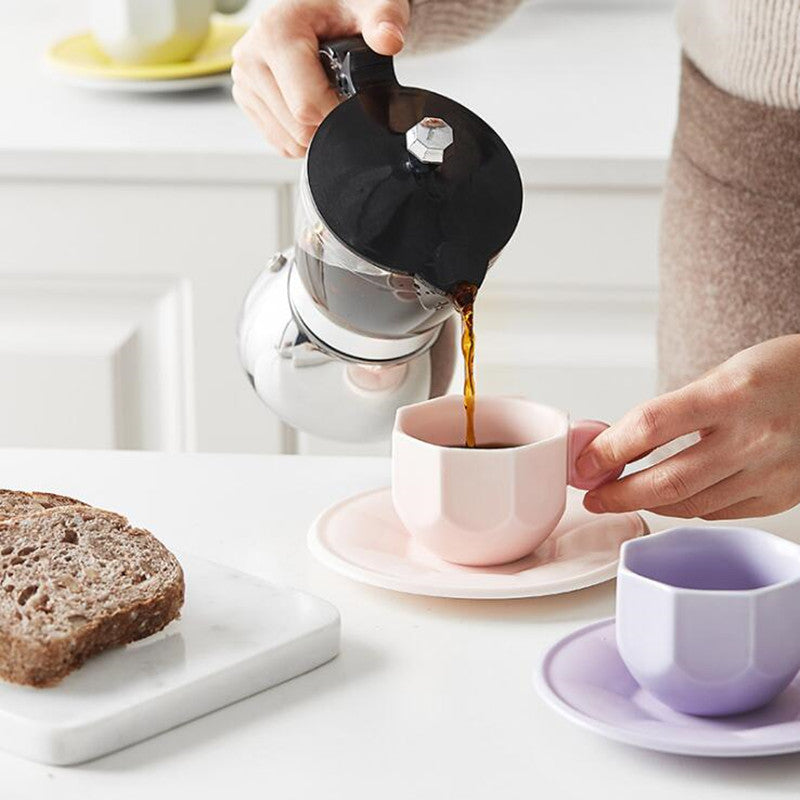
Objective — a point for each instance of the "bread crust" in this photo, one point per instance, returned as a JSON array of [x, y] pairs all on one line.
[[15, 503], [50, 500]]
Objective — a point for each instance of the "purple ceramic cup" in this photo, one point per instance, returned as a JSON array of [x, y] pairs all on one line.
[[708, 619]]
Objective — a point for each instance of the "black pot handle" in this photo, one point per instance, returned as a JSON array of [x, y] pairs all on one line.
[[352, 67]]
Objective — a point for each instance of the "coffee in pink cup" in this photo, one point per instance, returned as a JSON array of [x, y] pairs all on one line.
[[482, 507]]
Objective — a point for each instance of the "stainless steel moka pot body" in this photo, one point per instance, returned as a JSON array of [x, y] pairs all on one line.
[[404, 195]]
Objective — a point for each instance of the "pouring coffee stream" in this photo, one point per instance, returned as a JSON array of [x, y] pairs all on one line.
[[406, 198], [464, 300]]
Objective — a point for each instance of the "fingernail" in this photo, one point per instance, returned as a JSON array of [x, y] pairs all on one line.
[[588, 466], [392, 30], [593, 503]]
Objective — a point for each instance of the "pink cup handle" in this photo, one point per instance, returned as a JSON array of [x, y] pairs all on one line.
[[580, 434]]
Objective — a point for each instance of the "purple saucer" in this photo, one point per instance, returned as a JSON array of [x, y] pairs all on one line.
[[582, 677]]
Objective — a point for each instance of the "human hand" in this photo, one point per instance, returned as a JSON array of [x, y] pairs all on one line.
[[747, 462], [278, 80]]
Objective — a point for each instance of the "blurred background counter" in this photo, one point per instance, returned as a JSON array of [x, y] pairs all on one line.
[[131, 227]]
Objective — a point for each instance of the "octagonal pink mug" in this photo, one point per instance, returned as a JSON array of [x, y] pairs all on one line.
[[482, 507]]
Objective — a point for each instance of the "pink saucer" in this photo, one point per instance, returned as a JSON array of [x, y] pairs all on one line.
[[362, 538]]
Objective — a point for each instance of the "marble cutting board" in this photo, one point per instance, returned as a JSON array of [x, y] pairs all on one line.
[[237, 636]]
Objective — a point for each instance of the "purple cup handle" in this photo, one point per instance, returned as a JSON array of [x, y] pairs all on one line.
[[580, 434]]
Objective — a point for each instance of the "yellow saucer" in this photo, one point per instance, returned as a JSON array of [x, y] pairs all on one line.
[[80, 55]]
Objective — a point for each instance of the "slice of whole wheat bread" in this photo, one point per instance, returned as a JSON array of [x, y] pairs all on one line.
[[75, 580], [18, 504]]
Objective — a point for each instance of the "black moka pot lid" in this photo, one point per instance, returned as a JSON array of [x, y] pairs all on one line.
[[442, 222]]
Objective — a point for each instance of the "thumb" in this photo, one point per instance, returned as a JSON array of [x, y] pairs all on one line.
[[383, 24]]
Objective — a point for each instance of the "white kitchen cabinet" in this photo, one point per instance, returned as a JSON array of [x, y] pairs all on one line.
[[131, 228], [94, 362], [119, 304]]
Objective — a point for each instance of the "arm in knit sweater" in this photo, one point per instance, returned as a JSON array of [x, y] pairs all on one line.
[[439, 24]]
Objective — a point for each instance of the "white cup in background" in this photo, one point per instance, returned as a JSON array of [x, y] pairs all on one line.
[[154, 31]]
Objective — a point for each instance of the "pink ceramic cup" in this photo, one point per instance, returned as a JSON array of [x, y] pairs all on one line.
[[485, 507]]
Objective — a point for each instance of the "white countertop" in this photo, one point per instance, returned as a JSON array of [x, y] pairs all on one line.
[[582, 93], [429, 698]]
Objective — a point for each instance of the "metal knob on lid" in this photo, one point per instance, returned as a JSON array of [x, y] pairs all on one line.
[[428, 139]]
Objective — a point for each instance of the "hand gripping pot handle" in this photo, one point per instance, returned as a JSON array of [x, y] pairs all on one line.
[[580, 434]]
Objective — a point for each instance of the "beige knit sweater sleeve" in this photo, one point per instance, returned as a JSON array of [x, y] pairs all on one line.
[[438, 24], [750, 48]]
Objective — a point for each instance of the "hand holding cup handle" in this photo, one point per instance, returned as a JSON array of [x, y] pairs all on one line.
[[581, 433]]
